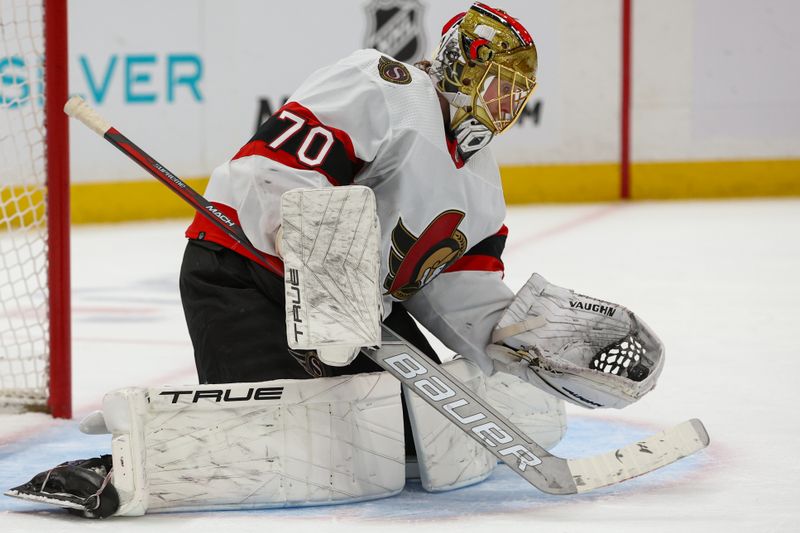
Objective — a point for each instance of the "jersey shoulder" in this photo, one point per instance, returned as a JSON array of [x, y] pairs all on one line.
[[372, 97], [365, 72], [344, 96], [405, 88], [382, 68], [412, 102]]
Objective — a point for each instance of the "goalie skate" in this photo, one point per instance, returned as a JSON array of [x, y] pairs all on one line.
[[82, 487]]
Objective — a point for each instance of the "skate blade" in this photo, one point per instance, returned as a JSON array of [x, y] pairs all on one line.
[[65, 501]]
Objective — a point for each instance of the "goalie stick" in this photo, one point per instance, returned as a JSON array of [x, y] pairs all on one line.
[[547, 472]]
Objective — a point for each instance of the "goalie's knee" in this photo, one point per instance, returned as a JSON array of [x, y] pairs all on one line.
[[448, 458], [541, 416]]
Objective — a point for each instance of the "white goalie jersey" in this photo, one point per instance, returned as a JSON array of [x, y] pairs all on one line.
[[373, 121]]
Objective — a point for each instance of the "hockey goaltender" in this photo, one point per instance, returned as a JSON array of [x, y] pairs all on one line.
[[374, 200]]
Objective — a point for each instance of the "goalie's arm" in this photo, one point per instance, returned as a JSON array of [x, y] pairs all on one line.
[[315, 140], [462, 305], [461, 309]]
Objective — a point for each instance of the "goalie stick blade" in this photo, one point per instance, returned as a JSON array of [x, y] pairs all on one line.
[[639, 457]]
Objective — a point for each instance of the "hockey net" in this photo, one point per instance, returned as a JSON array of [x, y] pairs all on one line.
[[34, 213]]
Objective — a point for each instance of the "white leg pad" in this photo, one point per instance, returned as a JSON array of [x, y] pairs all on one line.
[[274, 444], [541, 416], [448, 459]]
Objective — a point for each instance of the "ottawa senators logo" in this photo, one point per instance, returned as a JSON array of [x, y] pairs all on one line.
[[393, 71], [415, 261]]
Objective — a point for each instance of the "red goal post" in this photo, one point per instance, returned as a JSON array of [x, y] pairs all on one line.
[[35, 354]]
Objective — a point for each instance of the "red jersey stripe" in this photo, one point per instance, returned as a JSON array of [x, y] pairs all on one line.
[[203, 229], [260, 148]]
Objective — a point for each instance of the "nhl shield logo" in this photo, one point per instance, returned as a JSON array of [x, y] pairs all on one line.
[[394, 27]]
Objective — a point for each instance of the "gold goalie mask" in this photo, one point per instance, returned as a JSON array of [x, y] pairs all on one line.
[[486, 68]]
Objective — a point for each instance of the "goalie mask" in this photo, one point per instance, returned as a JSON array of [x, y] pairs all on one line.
[[486, 69]]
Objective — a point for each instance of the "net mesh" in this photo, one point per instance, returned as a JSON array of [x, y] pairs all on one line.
[[24, 325], [622, 359]]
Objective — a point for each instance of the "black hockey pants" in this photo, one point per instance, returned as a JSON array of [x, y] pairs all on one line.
[[236, 318]]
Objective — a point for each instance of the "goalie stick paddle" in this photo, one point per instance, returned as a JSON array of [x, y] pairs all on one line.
[[547, 472]]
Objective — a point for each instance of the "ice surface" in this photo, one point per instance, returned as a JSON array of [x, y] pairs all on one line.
[[718, 281]]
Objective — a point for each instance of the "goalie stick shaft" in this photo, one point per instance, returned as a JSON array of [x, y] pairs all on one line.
[[448, 396], [79, 109]]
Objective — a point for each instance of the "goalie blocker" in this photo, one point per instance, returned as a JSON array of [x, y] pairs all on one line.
[[329, 241]]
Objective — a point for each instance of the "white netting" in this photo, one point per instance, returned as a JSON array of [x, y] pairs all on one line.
[[24, 325]]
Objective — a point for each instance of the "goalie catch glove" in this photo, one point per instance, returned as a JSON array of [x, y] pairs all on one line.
[[82, 487], [587, 351]]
